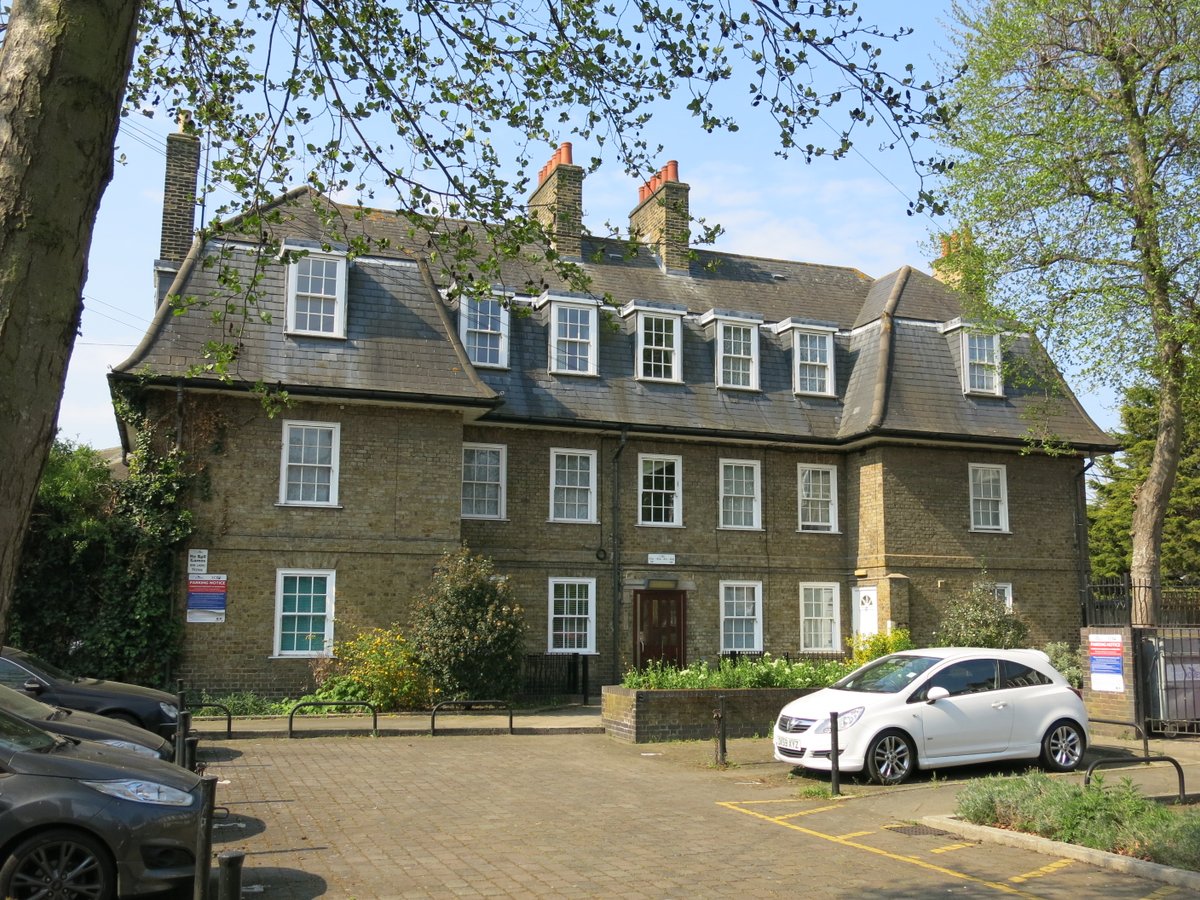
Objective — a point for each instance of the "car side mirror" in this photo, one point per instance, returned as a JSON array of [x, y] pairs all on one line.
[[935, 694], [33, 686]]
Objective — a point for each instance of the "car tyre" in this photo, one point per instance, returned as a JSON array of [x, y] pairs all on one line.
[[1063, 746], [59, 863], [891, 757]]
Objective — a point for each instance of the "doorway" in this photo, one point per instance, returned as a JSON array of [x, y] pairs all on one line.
[[659, 628], [865, 611]]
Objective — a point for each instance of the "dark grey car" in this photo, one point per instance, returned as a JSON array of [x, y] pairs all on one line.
[[80, 819], [146, 707], [86, 726]]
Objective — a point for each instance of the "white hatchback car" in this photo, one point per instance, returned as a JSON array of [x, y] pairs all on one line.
[[938, 707]]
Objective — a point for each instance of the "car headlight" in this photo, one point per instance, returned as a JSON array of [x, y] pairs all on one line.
[[170, 710], [139, 749], [844, 720], [140, 791]]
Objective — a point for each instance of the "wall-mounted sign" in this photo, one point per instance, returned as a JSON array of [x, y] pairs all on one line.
[[197, 562], [660, 559], [1106, 656], [206, 598]]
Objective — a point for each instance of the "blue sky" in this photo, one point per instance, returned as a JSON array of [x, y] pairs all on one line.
[[850, 212]]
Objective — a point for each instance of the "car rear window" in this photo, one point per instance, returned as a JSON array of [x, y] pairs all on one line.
[[1018, 675]]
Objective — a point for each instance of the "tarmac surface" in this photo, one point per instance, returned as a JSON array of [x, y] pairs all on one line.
[[559, 809]]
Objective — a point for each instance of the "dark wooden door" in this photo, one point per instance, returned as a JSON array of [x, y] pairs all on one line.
[[658, 628]]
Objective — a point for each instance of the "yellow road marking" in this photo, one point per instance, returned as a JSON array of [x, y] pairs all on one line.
[[920, 863], [1048, 869], [1162, 892], [804, 812], [950, 847], [854, 834]]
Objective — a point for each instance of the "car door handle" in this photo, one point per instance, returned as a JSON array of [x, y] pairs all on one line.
[[1000, 704]]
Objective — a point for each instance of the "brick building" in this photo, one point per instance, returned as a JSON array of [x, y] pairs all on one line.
[[734, 453]]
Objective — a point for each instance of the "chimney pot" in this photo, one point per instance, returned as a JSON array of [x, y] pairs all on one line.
[[672, 170], [565, 153]]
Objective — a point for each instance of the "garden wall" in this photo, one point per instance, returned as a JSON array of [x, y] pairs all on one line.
[[643, 717]]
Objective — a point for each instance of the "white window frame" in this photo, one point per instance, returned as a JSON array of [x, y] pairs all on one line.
[[330, 576], [1001, 501], [285, 463], [338, 296], [827, 367], [836, 619], [756, 467], [470, 314], [756, 588], [502, 497], [588, 309], [719, 372], [563, 452], [552, 617], [813, 525], [1003, 591], [674, 351], [677, 500], [985, 363]]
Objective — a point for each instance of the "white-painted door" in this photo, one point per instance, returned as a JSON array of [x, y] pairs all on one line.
[[865, 602]]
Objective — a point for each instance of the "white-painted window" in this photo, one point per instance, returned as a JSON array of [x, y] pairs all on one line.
[[316, 300], [817, 491], [989, 497], [660, 500], [308, 466], [741, 492], [658, 347], [304, 612], [483, 480], [573, 339], [572, 485], [572, 615], [981, 363], [737, 355], [1003, 591], [813, 370], [483, 326], [820, 617], [741, 616]]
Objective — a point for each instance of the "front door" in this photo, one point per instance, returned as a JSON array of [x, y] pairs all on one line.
[[865, 611], [658, 628]]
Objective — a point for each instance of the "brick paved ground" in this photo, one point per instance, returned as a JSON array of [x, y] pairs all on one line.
[[586, 816]]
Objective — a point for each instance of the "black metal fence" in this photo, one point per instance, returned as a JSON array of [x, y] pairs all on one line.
[[1168, 676], [1112, 602], [554, 675]]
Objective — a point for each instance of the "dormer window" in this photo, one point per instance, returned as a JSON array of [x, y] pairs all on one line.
[[483, 328], [316, 298], [981, 363], [573, 334], [659, 341], [736, 346], [812, 357]]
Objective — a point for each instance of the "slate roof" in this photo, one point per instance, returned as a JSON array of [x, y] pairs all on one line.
[[402, 344]]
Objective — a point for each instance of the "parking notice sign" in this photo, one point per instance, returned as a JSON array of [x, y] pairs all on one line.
[[1106, 655], [206, 598]]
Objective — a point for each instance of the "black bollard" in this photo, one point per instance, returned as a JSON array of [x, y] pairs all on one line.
[[719, 715], [190, 761], [208, 801], [835, 785], [229, 879]]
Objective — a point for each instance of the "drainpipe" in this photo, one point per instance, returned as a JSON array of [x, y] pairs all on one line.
[[617, 588], [1082, 563], [179, 413]]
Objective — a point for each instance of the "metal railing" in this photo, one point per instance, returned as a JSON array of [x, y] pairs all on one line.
[[470, 706], [335, 703]]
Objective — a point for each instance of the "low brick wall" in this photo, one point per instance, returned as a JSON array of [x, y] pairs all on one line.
[[643, 717]]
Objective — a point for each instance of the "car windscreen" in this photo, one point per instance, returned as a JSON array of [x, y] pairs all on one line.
[[887, 675], [23, 705], [16, 734], [35, 662]]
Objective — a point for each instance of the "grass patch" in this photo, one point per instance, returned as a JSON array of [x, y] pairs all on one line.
[[1117, 818]]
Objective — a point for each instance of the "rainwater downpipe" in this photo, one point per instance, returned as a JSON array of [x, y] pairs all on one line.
[[617, 587], [1081, 539]]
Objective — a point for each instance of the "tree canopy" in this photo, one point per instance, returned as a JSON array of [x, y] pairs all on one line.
[[1075, 152], [434, 108]]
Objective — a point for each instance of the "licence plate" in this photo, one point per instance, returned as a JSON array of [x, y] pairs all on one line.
[[790, 742]]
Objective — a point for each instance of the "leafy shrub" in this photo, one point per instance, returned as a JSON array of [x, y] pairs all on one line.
[[241, 703], [1067, 660], [979, 619], [1115, 819], [378, 667], [468, 634], [769, 671], [864, 649]]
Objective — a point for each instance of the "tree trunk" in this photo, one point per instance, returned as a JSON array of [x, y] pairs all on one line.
[[1150, 507], [63, 70]]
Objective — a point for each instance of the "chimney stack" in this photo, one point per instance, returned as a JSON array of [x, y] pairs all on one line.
[[662, 219], [557, 202], [179, 192]]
